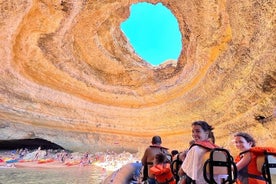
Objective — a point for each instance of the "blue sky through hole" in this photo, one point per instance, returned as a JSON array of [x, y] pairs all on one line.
[[153, 32]]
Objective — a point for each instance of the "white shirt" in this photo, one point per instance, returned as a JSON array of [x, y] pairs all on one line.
[[193, 164]]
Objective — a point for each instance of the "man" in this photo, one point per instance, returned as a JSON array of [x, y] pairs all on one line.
[[149, 155]]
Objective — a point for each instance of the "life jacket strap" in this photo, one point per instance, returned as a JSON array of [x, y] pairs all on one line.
[[166, 182], [258, 177]]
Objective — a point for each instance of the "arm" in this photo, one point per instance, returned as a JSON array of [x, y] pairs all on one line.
[[180, 172], [244, 161], [144, 158], [182, 155]]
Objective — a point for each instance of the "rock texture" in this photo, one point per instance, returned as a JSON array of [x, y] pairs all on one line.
[[70, 76]]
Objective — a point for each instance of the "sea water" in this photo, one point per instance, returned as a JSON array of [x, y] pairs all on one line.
[[92, 174], [77, 175]]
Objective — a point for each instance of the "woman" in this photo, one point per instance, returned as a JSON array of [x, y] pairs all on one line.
[[162, 170], [246, 161], [192, 168]]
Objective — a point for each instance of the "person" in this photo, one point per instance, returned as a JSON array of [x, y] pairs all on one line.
[[149, 155], [161, 170], [85, 161], [182, 155], [174, 154], [191, 170], [177, 161], [246, 160]]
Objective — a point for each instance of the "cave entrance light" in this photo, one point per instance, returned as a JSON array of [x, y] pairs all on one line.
[[153, 32]]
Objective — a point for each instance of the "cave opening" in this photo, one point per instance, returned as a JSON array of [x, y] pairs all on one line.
[[154, 33], [28, 143]]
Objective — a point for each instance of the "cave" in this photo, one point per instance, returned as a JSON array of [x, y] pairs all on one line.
[[70, 75], [27, 143]]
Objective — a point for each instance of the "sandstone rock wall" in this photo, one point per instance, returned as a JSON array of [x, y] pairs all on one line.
[[69, 75]]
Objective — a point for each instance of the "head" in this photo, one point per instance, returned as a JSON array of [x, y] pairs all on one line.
[[160, 158], [156, 140], [174, 152], [202, 131], [244, 141]]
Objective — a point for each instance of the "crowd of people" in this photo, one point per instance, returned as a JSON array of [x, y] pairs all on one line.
[[40, 158], [155, 159]]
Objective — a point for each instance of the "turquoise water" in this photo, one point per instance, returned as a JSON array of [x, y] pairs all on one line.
[[81, 175]]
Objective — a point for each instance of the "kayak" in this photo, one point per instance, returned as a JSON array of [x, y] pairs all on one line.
[[43, 161], [11, 161]]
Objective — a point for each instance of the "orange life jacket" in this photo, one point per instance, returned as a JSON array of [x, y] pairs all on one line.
[[260, 150], [148, 164], [163, 174], [251, 174], [205, 144]]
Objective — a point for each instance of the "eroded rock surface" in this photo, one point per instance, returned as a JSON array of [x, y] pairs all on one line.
[[70, 76]]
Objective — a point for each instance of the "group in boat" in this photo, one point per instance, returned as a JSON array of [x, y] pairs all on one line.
[[157, 167]]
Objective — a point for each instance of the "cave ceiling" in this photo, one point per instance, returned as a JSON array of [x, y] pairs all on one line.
[[70, 76]]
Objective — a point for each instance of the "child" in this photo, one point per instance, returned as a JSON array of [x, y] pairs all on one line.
[[161, 170], [246, 161]]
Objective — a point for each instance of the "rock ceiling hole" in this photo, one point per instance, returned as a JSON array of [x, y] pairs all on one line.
[[153, 32]]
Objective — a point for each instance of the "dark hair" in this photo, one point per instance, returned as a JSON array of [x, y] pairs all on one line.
[[207, 128], [174, 152], [247, 137], [160, 158], [156, 140]]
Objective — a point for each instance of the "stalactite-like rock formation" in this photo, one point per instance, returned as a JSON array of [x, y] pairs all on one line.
[[70, 76]]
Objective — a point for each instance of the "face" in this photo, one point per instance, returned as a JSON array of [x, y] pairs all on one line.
[[242, 144], [199, 134]]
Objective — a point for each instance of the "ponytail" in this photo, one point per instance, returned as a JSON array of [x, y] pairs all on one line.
[[212, 137]]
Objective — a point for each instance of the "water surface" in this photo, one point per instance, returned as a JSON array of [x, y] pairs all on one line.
[[80, 175]]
